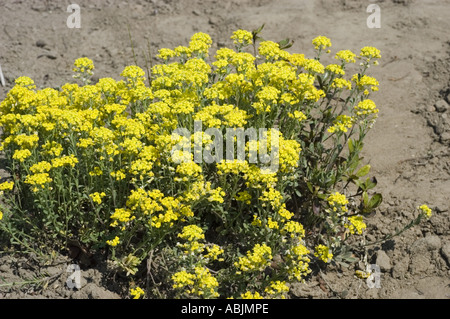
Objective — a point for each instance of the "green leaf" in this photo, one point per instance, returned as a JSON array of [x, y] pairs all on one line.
[[285, 44], [255, 32], [363, 171], [370, 183], [310, 187], [351, 147], [322, 196], [375, 201], [365, 199]]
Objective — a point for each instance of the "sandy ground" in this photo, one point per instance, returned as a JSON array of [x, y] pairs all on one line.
[[408, 148]]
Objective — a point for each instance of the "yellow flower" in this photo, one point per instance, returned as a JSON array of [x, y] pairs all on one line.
[[256, 260], [213, 252], [39, 179], [425, 210], [25, 82], [1, 215], [324, 253], [113, 242], [249, 295], [256, 221], [84, 66], [338, 200], [122, 215], [6, 186], [356, 225], [133, 72], [96, 172], [336, 69], [341, 84], [370, 53], [341, 124], [321, 42], [294, 228], [21, 155], [191, 233], [298, 115], [346, 56], [119, 175], [366, 107], [365, 81], [166, 54], [272, 224], [182, 279], [314, 66], [244, 197], [69, 160], [137, 292], [242, 37], [277, 287], [97, 197]]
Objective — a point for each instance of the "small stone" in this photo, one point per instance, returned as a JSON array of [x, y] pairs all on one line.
[[419, 263], [445, 251], [430, 108], [383, 261], [433, 242], [40, 43], [445, 137], [441, 106]]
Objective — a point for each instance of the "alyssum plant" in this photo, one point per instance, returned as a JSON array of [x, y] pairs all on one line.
[[99, 164]]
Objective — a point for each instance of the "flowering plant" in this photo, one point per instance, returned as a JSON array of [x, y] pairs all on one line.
[[111, 165]]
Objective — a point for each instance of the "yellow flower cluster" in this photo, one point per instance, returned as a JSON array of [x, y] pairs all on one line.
[[370, 53], [26, 82], [425, 210], [342, 124], [83, 65], [355, 225], [242, 37], [298, 262], [111, 146], [137, 292], [365, 81], [338, 201], [339, 83], [199, 283], [256, 260], [323, 253], [114, 242], [191, 233], [277, 288], [6, 186], [321, 42], [346, 56], [250, 295], [366, 107], [97, 197]]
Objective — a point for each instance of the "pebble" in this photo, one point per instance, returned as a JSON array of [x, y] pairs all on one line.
[[441, 106], [433, 242], [383, 261], [40, 43], [445, 250]]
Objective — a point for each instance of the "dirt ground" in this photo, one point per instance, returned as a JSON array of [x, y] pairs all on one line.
[[408, 147]]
